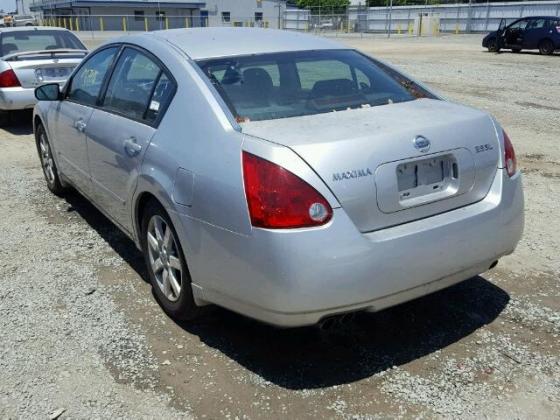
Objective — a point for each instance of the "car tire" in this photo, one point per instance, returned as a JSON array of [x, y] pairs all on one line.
[[166, 264], [493, 45], [546, 47], [50, 170]]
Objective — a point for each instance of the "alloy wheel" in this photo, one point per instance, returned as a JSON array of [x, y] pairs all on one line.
[[163, 254], [46, 159]]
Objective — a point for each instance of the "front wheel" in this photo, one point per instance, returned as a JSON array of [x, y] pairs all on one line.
[[167, 268], [48, 164], [493, 45], [546, 47]]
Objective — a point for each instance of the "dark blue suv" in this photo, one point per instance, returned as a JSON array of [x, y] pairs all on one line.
[[530, 33]]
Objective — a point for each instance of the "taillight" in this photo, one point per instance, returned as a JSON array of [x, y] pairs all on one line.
[[278, 199], [509, 156], [9, 79]]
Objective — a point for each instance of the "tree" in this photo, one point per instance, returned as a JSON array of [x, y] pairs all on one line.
[[328, 6]]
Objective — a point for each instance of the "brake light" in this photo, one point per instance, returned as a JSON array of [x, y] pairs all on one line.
[[8, 78], [278, 199], [509, 156]]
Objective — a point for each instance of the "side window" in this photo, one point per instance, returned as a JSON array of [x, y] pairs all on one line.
[[536, 24], [131, 85], [87, 82], [520, 24], [160, 99]]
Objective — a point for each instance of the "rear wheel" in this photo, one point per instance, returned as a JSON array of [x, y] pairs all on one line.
[[48, 164], [546, 47], [167, 268], [493, 45]]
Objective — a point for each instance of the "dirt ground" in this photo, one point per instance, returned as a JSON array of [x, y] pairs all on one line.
[[80, 332]]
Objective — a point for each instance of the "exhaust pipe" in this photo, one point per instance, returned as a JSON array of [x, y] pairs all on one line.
[[336, 321]]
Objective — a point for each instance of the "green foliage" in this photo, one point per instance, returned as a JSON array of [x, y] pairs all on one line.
[[332, 6]]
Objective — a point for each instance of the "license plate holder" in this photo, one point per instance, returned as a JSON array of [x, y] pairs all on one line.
[[52, 73], [425, 176]]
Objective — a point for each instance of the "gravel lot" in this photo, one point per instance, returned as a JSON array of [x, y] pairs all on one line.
[[80, 332]]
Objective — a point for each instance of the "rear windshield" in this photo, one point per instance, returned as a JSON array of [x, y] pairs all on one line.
[[290, 84], [36, 40]]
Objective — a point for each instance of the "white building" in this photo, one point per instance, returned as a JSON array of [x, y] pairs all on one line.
[[139, 15]]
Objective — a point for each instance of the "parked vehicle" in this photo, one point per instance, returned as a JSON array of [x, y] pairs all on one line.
[[530, 33], [24, 20], [8, 21], [280, 175], [30, 57]]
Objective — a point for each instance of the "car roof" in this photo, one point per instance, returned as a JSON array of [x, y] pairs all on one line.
[[34, 28], [203, 43]]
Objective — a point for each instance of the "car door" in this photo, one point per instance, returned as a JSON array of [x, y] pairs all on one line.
[[73, 114], [120, 130], [534, 32], [514, 34]]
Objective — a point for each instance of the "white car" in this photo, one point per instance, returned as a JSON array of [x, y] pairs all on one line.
[[30, 57]]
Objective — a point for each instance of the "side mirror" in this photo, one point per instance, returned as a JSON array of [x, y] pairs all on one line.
[[48, 92]]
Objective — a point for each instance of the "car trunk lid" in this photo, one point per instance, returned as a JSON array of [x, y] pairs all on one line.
[[37, 68], [395, 163]]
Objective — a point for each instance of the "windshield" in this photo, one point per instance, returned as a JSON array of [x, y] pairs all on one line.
[[282, 85], [36, 40]]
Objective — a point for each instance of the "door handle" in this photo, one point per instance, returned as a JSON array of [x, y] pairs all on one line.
[[131, 147], [80, 125]]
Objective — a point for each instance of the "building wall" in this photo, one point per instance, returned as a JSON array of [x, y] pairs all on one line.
[[242, 12]]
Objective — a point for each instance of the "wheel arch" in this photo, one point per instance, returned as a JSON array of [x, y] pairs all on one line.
[[149, 189], [547, 39]]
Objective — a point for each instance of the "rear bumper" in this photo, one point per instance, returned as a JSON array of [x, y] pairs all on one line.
[[297, 277], [15, 98]]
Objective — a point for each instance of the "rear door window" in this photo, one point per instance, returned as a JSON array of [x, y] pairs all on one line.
[[536, 24], [139, 88]]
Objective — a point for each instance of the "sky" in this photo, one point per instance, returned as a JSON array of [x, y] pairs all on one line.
[[8, 5]]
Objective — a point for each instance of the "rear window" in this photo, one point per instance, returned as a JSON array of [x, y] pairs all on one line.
[[34, 40], [290, 84]]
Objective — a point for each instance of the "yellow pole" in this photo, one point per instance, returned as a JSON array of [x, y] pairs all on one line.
[[410, 28], [186, 22], [101, 26], [456, 29], [77, 24], [399, 28], [166, 22], [71, 24], [64, 22], [146, 24], [124, 24]]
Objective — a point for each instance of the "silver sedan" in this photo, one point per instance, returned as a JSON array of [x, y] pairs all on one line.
[[280, 175], [30, 57]]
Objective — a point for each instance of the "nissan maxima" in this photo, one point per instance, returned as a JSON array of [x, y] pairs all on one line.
[[283, 176]]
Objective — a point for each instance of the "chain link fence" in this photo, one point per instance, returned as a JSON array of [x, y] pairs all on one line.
[[142, 23], [413, 20], [424, 19]]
